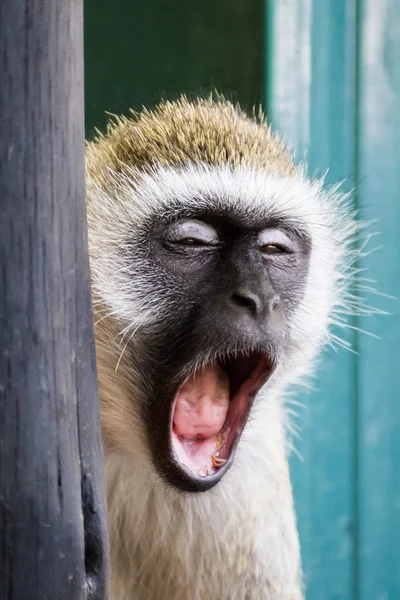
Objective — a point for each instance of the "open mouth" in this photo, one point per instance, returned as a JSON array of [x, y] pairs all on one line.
[[210, 411]]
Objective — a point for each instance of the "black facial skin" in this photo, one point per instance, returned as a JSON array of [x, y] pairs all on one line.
[[231, 285]]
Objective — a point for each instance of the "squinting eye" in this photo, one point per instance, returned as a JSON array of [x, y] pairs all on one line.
[[191, 232], [272, 249], [190, 242], [275, 241]]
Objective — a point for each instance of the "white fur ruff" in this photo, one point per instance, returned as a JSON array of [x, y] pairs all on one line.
[[239, 540]]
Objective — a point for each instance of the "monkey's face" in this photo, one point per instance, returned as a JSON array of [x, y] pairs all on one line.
[[230, 280], [225, 281]]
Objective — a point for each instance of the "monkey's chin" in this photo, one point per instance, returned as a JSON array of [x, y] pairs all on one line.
[[204, 433]]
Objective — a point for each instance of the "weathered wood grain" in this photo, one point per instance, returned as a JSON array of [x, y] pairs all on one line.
[[53, 541]]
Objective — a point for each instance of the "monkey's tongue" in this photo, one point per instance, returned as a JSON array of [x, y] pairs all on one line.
[[201, 404], [210, 411], [201, 407]]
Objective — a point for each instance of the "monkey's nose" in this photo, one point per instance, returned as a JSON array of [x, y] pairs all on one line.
[[247, 300], [256, 304]]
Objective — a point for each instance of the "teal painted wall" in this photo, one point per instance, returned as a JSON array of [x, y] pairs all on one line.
[[330, 76], [333, 89]]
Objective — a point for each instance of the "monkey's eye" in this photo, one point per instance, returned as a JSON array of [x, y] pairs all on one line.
[[190, 241], [191, 233], [275, 241], [272, 249]]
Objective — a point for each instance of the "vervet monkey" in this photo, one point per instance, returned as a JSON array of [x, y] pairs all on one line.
[[217, 269]]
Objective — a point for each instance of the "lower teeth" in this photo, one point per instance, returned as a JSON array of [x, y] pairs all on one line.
[[217, 462], [219, 440]]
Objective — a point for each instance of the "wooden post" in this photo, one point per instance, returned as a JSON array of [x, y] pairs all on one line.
[[53, 540]]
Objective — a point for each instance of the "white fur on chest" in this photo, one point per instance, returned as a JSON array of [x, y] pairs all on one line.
[[235, 542]]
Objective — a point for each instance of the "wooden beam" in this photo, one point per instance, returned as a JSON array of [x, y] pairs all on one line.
[[53, 541]]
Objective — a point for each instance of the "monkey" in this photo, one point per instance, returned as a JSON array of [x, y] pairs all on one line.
[[217, 270]]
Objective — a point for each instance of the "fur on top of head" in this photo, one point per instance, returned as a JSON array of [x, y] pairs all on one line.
[[207, 154], [179, 133]]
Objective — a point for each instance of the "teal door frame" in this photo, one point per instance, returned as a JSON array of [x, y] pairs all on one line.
[[333, 91], [332, 88]]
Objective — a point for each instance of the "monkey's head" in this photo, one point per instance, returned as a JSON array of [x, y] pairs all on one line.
[[216, 268]]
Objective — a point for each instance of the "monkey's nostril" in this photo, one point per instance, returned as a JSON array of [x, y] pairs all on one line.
[[246, 300], [274, 303]]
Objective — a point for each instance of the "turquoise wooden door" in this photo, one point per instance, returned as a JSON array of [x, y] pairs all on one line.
[[333, 90], [332, 87]]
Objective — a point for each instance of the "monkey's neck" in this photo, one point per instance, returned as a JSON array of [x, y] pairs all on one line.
[[244, 526]]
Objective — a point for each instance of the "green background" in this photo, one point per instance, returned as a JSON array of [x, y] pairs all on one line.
[[328, 73], [139, 51]]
